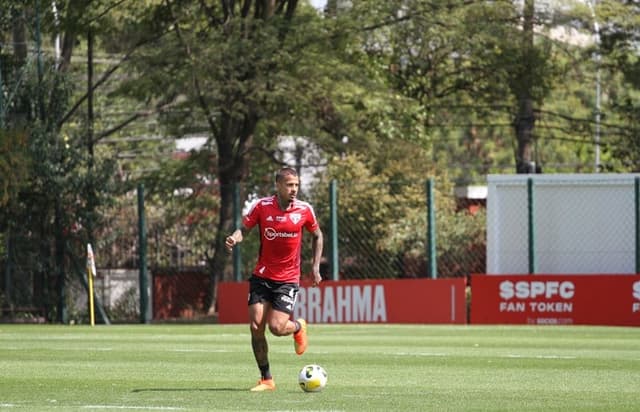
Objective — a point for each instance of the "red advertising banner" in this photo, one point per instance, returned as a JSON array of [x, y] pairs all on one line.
[[367, 301], [556, 299]]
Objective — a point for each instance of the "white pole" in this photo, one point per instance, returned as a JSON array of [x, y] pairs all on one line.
[[57, 38]]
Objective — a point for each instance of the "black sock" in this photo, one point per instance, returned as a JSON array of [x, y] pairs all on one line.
[[265, 372]]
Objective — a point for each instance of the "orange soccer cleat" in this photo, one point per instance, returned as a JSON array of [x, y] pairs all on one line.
[[300, 337], [264, 385]]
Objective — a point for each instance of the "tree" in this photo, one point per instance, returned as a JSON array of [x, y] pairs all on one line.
[[617, 47], [491, 77], [44, 214], [242, 94]]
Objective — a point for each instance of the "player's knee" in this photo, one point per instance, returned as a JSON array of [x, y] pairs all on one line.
[[277, 328], [256, 328]]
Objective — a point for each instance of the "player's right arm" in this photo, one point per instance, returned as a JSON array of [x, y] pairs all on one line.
[[248, 221], [236, 237]]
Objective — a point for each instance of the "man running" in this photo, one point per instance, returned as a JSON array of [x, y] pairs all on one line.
[[274, 284]]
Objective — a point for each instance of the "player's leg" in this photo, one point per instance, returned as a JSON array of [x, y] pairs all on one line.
[[260, 346], [280, 323], [258, 338], [259, 307], [279, 318]]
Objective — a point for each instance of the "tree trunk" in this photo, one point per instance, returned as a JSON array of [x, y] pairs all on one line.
[[59, 265], [524, 123], [236, 137], [219, 260], [19, 34]]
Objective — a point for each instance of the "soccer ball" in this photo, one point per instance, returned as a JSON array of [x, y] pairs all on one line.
[[312, 378]]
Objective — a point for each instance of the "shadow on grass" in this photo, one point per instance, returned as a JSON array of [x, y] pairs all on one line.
[[189, 390]]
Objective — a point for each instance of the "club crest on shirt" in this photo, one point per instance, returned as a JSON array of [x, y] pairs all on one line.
[[295, 217]]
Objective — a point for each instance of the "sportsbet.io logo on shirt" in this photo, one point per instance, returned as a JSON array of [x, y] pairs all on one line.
[[271, 234]]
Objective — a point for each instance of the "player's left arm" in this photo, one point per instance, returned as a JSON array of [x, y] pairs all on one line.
[[316, 250]]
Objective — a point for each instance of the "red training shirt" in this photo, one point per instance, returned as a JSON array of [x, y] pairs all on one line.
[[280, 237]]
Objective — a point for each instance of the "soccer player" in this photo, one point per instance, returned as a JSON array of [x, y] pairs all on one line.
[[274, 284]]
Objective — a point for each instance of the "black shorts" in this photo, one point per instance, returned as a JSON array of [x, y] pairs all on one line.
[[281, 296]]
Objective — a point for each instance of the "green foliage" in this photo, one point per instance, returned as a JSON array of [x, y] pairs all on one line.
[[467, 65], [14, 164], [620, 63], [382, 218], [55, 186]]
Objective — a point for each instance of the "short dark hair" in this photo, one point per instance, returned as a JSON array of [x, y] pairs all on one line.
[[285, 171]]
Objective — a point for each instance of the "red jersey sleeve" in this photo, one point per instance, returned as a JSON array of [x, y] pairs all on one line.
[[312, 223], [252, 218]]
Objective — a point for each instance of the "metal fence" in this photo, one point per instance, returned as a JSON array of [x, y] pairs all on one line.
[[386, 231], [373, 230], [382, 232]]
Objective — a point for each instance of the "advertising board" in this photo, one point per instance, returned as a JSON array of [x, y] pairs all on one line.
[[366, 301], [556, 299]]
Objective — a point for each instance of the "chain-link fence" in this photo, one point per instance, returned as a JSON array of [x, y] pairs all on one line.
[[542, 225], [43, 272], [382, 232], [533, 224]]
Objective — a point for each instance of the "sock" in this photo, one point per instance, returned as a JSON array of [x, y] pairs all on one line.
[[298, 326], [265, 372]]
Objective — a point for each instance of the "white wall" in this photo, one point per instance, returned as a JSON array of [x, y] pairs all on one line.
[[583, 223], [113, 284]]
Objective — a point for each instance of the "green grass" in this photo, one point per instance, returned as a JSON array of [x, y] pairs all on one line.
[[371, 368]]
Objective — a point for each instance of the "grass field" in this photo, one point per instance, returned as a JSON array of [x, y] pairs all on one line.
[[371, 368]]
